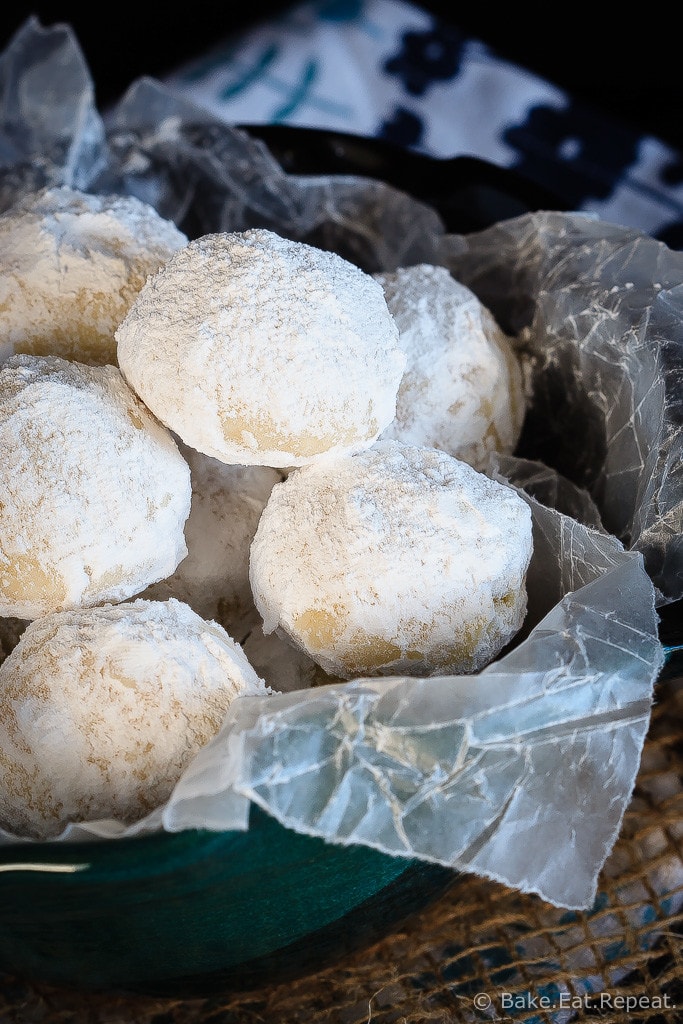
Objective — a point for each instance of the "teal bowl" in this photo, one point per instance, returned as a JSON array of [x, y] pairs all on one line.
[[198, 912], [194, 912]]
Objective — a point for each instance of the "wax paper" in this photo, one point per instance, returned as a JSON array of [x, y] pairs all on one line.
[[600, 311], [521, 772]]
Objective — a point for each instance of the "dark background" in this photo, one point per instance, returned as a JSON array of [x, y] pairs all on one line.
[[627, 62]]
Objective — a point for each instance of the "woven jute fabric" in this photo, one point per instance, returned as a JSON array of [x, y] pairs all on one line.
[[481, 952]]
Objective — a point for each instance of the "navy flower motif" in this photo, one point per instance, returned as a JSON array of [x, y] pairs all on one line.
[[572, 152], [404, 128], [427, 57]]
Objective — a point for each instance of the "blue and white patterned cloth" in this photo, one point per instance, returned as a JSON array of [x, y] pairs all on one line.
[[388, 69]]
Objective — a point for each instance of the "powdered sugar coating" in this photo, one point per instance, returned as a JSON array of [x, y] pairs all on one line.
[[70, 266], [102, 709], [261, 351], [462, 389], [398, 559], [94, 492], [213, 579]]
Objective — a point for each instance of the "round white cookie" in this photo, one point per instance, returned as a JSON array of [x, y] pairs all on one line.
[[462, 388], [102, 709], [257, 350], [70, 266], [95, 493], [213, 579], [395, 560]]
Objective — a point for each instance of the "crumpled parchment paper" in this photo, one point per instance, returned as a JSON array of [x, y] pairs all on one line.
[[522, 772], [600, 310]]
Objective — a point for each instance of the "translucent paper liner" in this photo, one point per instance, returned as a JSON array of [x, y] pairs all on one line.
[[522, 772]]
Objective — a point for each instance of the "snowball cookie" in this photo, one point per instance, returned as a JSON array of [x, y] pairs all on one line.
[[462, 389], [396, 560], [261, 351], [101, 710], [94, 493], [213, 579], [70, 266]]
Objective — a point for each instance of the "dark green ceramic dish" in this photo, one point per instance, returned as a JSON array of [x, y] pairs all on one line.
[[198, 911]]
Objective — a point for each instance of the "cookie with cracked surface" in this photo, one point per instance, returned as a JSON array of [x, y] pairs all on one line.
[[462, 388], [392, 561], [101, 710], [257, 350], [71, 265], [95, 493]]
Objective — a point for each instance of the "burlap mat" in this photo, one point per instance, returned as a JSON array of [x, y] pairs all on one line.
[[482, 952]]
